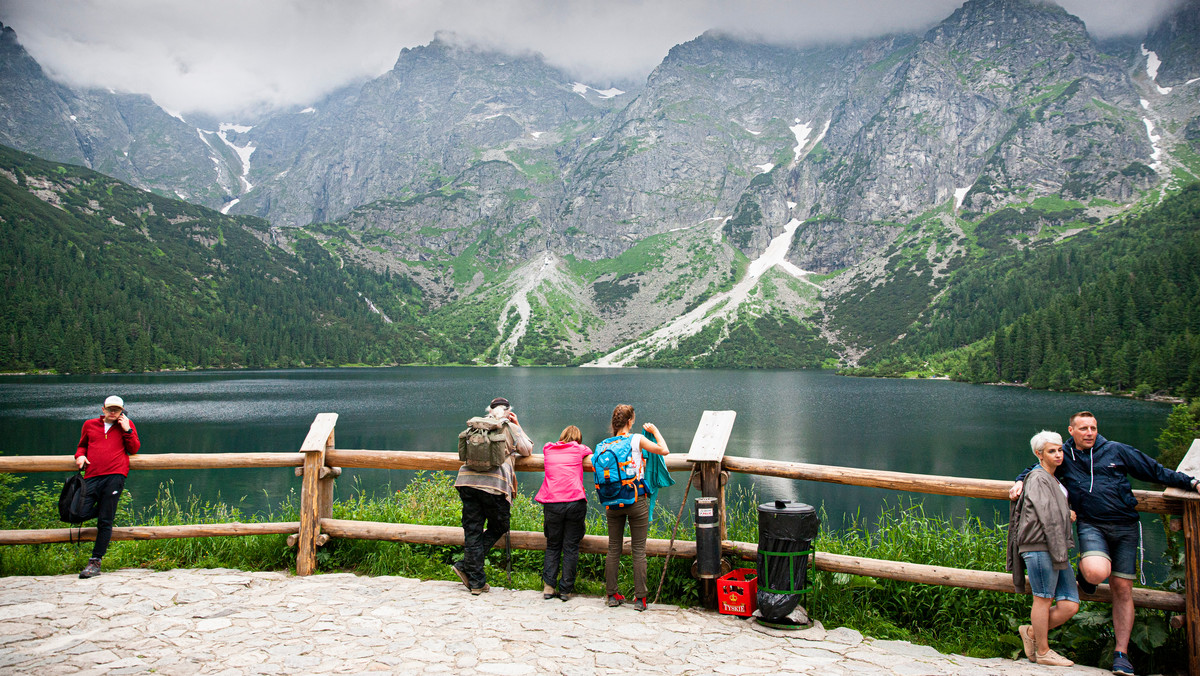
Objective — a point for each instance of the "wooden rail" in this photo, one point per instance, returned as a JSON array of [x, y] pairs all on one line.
[[1148, 501], [65, 463], [203, 530], [319, 464], [448, 462]]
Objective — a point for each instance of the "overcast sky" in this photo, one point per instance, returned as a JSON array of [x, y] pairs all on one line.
[[226, 57]]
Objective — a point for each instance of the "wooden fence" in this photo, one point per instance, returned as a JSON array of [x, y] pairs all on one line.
[[318, 464]]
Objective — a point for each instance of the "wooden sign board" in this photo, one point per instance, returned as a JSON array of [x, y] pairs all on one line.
[[319, 433], [712, 435], [1190, 465]]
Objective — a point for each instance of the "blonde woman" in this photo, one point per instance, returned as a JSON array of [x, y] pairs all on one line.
[[1042, 539]]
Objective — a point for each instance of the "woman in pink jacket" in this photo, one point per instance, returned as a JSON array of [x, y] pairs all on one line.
[[565, 508]]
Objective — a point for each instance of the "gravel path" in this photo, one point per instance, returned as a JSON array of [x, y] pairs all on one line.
[[232, 622]]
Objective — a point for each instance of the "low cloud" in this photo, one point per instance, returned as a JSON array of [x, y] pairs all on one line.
[[231, 58]]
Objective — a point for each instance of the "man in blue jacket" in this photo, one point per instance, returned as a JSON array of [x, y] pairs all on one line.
[[1095, 472]]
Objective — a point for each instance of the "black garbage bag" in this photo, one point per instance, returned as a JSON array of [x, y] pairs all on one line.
[[784, 527]]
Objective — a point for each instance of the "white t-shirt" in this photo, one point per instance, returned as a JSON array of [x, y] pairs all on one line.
[[635, 443]]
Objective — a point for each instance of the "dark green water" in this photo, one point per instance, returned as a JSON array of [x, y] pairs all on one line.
[[930, 427]]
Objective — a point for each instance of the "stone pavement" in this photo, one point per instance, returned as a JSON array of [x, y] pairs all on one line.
[[232, 622]]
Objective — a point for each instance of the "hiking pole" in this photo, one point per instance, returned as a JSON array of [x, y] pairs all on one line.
[[674, 529], [508, 556]]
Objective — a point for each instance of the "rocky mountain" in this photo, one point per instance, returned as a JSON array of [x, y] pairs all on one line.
[[126, 136], [742, 193]]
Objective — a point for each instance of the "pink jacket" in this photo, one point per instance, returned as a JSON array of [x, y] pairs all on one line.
[[564, 472]]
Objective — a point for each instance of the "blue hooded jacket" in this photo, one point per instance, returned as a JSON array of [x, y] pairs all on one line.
[[1097, 480]]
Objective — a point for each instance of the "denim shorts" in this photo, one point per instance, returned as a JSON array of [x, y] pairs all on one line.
[[1117, 542], [1048, 583]]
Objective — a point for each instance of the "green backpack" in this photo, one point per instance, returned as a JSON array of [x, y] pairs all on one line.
[[483, 445]]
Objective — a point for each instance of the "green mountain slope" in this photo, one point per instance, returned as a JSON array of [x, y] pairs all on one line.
[[1117, 307], [100, 275]]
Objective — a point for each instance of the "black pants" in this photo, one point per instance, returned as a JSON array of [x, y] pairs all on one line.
[[480, 507], [563, 525], [102, 495]]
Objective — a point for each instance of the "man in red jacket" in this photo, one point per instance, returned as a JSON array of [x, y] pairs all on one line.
[[105, 445]]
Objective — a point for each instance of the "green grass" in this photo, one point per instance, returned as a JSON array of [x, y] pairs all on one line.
[[951, 619], [643, 255]]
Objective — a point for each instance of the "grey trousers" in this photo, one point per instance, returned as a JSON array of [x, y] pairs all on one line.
[[638, 515]]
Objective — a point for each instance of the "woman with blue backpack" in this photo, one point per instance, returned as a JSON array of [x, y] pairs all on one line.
[[620, 484]]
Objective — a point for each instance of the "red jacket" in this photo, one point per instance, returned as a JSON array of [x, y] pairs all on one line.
[[107, 452]]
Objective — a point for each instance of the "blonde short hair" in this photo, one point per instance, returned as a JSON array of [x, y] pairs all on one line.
[[1042, 439]]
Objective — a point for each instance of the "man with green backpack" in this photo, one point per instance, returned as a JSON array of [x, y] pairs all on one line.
[[486, 484]]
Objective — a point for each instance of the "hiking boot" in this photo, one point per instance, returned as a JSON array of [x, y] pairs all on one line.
[[1084, 586], [1053, 659], [639, 604], [615, 600], [1026, 632], [566, 596], [92, 569], [481, 590], [1121, 663], [548, 592], [461, 575]]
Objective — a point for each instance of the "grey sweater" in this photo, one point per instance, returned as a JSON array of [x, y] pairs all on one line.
[[1040, 521]]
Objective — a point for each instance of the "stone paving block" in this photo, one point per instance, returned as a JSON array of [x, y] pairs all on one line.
[[193, 595], [506, 669], [30, 609], [844, 635], [906, 648]]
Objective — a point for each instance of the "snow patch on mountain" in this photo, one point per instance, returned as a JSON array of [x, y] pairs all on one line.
[[1156, 156], [243, 152], [801, 130], [959, 194], [1152, 65], [582, 90]]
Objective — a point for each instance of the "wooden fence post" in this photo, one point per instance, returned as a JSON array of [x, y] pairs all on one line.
[[1191, 548], [707, 451], [319, 439]]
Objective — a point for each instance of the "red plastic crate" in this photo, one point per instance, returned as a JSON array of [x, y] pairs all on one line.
[[737, 592]]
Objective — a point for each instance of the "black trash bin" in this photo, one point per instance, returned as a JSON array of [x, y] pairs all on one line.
[[786, 530]]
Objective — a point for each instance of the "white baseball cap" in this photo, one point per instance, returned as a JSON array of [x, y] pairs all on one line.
[[114, 400]]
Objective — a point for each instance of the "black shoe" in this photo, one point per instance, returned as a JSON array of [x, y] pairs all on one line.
[[548, 592], [1084, 586], [92, 569], [1121, 664]]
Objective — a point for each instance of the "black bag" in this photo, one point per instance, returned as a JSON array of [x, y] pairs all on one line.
[[72, 500]]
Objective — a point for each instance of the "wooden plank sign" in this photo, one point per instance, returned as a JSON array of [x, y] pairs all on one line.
[[319, 432], [712, 435], [1190, 465]]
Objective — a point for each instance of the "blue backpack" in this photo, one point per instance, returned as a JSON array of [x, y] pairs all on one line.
[[616, 475]]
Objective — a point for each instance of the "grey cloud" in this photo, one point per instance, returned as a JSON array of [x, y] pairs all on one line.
[[229, 57]]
